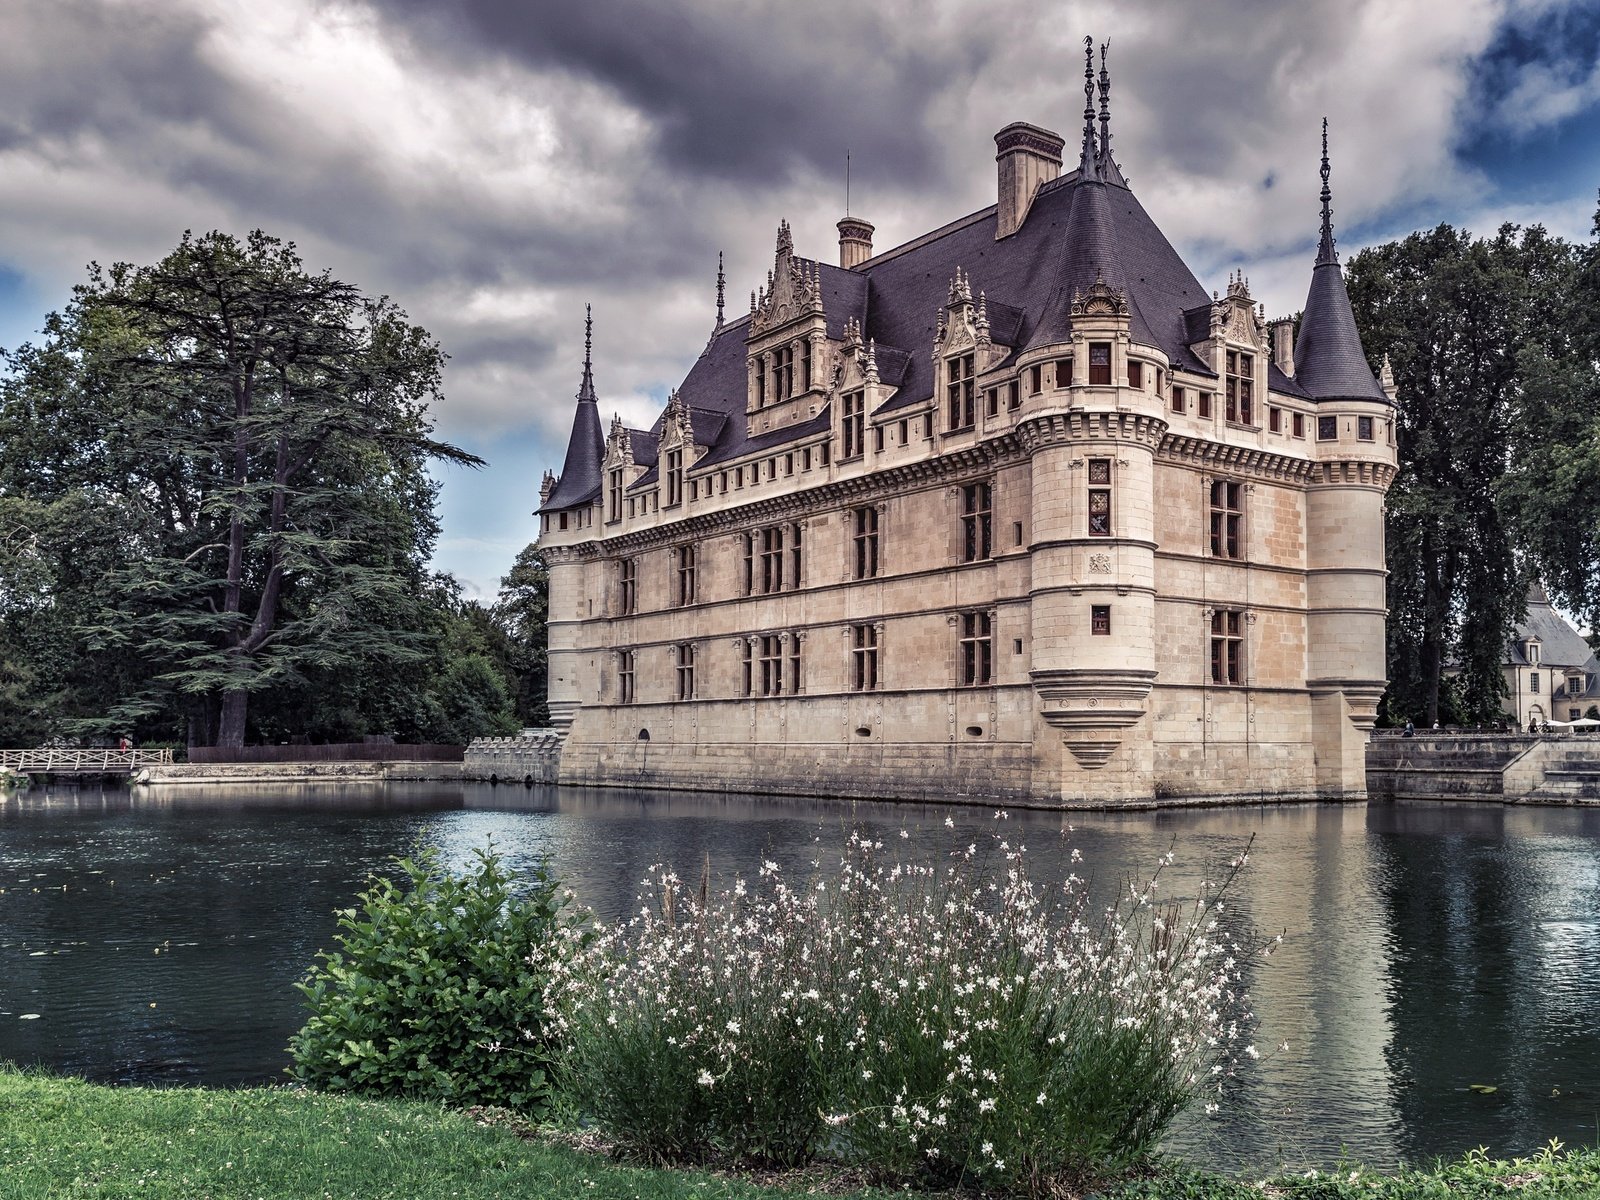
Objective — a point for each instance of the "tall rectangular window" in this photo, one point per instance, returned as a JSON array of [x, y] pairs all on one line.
[[1099, 497], [685, 569], [1533, 681], [795, 676], [1241, 376], [1013, 396], [674, 477], [864, 657], [1136, 375], [1227, 519], [1036, 379], [624, 676], [749, 667], [1177, 399], [977, 522], [1205, 405], [762, 370], [864, 539], [1099, 363], [977, 649], [771, 664], [805, 366], [782, 374], [773, 559], [1297, 424], [1100, 620], [991, 402], [614, 494], [628, 586], [1064, 372], [1274, 418], [853, 439], [1227, 646], [1364, 428], [959, 397], [686, 671]]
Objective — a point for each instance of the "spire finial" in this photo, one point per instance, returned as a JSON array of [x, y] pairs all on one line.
[[1086, 159], [586, 388], [1325, 252], [721, 288], [1105, 104]]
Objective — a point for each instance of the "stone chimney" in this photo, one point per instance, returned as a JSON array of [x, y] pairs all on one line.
[[1028, 157], [1283, 344], [855, 241]]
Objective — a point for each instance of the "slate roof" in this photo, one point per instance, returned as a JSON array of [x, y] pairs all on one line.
[[579, 483], [1081, 226], [1560, 645]]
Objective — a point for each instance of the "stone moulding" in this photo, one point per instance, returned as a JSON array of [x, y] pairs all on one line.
[[1092, 707]]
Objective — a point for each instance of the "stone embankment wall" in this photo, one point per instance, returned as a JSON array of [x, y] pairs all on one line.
[[532, 756], [1510, 768], [298, 772]]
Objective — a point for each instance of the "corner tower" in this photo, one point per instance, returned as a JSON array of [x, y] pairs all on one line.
[[1346, 571], [567, 518]]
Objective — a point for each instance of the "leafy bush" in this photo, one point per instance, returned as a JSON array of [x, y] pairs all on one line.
[[437, 989], [940, 1021]]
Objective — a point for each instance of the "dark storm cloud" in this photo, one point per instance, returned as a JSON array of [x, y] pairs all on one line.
[[742, 91]]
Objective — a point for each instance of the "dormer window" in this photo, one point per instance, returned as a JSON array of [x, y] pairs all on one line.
[[782, 374], [1241, 387], [613, 494], [1100, 363], [959, 392], [805, 366], [761, 382], [674, 478], [853, 431], [1532, 648]]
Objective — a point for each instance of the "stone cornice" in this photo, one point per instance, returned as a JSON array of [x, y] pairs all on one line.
[[1185, 450], [1058, 428], [1356, 473]]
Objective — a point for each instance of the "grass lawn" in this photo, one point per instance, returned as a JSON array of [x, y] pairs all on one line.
[[62, 1137]]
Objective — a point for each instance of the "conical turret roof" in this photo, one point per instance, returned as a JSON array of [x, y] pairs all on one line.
[[586, 449], [1328, 360]]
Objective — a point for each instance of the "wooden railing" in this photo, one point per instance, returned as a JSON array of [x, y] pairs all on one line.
[[63, 761]]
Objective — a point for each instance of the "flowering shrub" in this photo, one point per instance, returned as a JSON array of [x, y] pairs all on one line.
[[944, 1020], [437, 989]]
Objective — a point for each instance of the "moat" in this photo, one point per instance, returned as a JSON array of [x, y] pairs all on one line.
[[155, 938]]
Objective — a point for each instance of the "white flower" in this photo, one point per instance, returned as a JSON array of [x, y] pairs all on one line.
[[705, 1079], [985, 1106], [865, 1074], [1041, 1098], [733, 1027]]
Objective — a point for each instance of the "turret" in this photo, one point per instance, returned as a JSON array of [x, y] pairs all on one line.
[[1346, 572]]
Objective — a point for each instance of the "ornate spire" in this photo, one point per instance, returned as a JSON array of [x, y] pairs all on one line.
[[785, 239], [1105, 105], [1325, 253], [721, 287], [1086, 159], [586, 388]]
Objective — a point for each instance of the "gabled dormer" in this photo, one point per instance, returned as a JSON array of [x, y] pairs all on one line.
[[678, 451], [787, 347], [858, 390], [1238, 349], [621, 471], [963, 349], [1100, 322]]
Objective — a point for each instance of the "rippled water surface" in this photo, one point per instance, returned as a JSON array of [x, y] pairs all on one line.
[[1427, 947]]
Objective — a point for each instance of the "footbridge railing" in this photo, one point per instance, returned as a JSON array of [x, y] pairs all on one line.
[[73, 761]]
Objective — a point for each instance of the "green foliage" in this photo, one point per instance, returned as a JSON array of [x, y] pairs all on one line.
[[521, 612], [437, 989], [1467, 324], [250, 442], [905, 1018]]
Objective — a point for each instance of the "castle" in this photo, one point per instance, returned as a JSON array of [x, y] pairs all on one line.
[[1015, 511]]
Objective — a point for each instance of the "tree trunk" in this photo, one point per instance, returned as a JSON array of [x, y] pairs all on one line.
[[230, 729]]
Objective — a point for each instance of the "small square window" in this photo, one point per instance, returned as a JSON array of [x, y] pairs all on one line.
[[1327, 428]]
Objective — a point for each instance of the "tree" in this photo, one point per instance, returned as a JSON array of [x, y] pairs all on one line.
[[261, 435], [1552, 490], [1458, 317], [522, 611]]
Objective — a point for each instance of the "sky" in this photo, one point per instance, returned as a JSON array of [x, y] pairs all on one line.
[[494, 165]]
